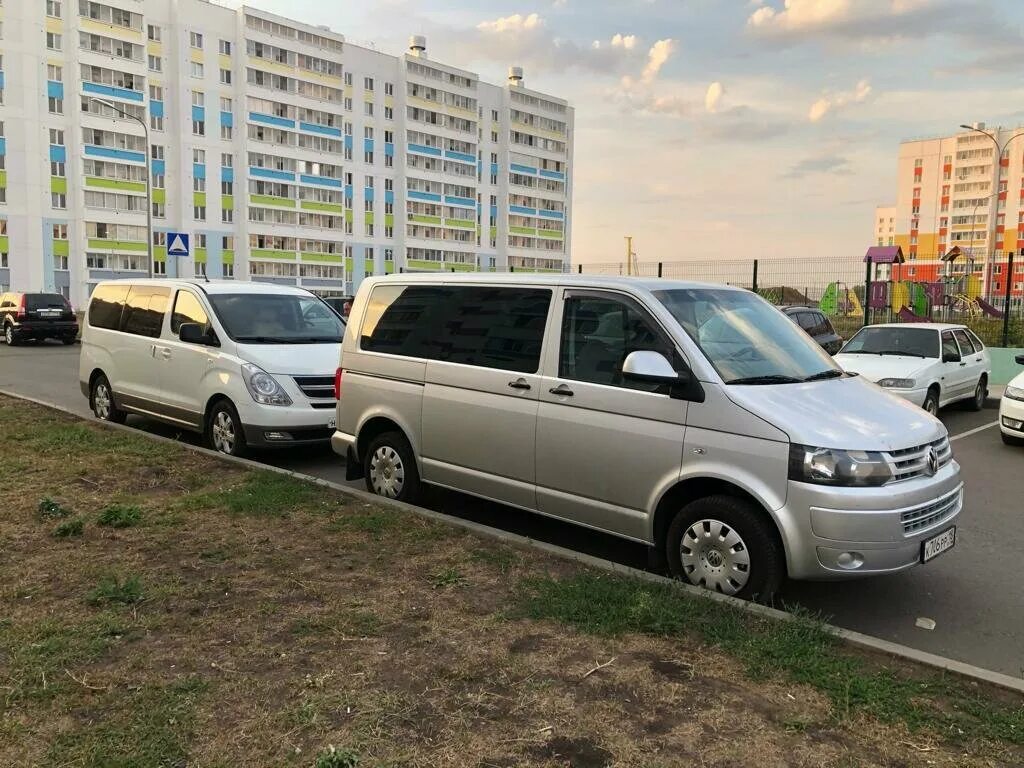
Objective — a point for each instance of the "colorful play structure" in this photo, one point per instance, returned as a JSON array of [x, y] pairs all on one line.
[[909, 300]]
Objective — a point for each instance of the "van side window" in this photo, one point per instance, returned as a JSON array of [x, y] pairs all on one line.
[[144, 311], [489, 327], [106, 306], [597, 335], [187, 309]]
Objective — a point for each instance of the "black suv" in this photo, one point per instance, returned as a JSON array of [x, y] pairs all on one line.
[[340, 304], [817, 325], [37, 316]]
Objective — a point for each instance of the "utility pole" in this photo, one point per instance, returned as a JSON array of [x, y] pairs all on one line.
[[630, 255]]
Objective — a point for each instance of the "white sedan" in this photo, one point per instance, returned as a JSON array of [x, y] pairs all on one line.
[[1011, 410], [930, 364]]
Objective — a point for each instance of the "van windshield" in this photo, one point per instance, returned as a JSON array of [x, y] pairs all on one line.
[[745, 338], [258, 318]]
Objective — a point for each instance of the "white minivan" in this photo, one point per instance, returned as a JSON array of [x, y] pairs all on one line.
[[694, 418], [245, 364]]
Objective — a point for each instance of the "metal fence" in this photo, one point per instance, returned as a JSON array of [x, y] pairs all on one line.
[[854, 293]]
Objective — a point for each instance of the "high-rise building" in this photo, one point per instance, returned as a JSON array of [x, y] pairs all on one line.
[[286, 153], [954, 192]]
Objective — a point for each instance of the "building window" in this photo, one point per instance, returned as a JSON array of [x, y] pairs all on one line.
[[227, 215], [56, 137], [199, 212], [225, 47], [60, 263], [58, 200], [60, 231], [53, 8], [159, 211], [347, 104], [227, 160], [156, 64], [198, 127], [227, 188], [55, 106], [158, 181], [389, 161], [368, 108], [57, 168], [225, 76], [226, 132], [348, 78], [198, 184], [389, 113], [195, 39], [159, 267], [55, 73], [153, 33], [389, 89], [198, 155], [389, 231], [53, 41], [368, 158], [228, 270], [196, 69], [226, 104], [156, 122]]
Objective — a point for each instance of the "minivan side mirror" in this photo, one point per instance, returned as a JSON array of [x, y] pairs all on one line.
[[194, 333], [1019, 359]]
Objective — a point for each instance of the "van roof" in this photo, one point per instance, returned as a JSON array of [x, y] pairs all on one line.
[[217, 286], [534, 278]]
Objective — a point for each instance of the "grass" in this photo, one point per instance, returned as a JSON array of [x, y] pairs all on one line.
[[119, 516], [335, 758], [114, 589], [259, 494], [52, 510], [69, 528]]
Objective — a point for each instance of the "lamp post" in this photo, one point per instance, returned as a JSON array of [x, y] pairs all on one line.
[[989, 251], [149, 179]]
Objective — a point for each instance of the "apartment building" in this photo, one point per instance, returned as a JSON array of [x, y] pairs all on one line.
[[955, 192], [287, 154]]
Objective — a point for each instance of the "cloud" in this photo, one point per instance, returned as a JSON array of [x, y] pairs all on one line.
[[830, 164], [656, 58], [624, 41], [741, 125], [799, 18], [836, 101], [515, 23], [713, 97]]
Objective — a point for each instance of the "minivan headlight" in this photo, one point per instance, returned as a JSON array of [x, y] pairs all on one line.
[[263, 387], [1014, 393], [830, 466], [896, 383]]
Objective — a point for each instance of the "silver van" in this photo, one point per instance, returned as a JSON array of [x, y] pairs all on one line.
[[694, 418]]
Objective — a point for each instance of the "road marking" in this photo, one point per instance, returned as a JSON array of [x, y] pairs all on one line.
[[974, 431]]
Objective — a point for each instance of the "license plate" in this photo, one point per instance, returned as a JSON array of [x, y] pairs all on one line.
[[332, 424], [936, 545], [50, 313]]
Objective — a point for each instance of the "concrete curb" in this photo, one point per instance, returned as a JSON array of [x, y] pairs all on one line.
[[857, 639]]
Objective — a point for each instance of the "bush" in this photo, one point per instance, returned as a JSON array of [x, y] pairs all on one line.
[[52, 510], [118, 516], [336, 758], [69, 528]]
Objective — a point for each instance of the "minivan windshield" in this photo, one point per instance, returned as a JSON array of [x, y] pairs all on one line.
[[745, 338], [264, 318], [886, 340]]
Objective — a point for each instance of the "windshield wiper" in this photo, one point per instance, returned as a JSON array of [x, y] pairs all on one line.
[[263, 340], [770, 379], [831, 373], [900, 352]]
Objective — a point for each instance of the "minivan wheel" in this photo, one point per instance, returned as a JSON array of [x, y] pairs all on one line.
[[931, 402], [980, 393], [9, 335], [224, 430], [390, 468], [724, 544], [101, 398]]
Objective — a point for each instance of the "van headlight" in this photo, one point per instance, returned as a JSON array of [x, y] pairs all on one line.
[[263, 387], [829, 466], [1014, 393], [896, 383]]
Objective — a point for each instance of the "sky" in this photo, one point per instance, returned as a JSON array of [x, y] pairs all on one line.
[[725, 129]]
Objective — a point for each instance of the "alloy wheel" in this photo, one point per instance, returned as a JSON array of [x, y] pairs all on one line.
[[223, 432], [101, 402]]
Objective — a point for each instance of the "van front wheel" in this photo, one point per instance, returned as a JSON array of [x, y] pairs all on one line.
[[390, 468], [724, 544]]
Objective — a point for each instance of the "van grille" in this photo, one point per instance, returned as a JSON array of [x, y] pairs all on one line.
[[908, 463], [319, 389], [927, 515]]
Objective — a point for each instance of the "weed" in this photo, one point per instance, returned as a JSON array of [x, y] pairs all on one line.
[[449, 577], [69, 528], [375, 522], [112, 589], [52, 510], [119, 516], [260, 494], [336, 758]]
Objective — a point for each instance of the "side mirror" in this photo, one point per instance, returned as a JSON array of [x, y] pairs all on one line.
[[644, 365], [1019, 359], [194, 333], [950, 357]]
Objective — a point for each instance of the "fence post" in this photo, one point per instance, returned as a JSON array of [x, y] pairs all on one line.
[[1006, 303], [659, 269], [579, 269], [867, 292], [754, 281], [511, 268]]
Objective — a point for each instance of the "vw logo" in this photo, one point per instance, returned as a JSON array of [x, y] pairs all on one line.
[[933, 461]]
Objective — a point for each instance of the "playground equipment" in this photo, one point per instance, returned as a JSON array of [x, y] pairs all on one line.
[[839, 299]]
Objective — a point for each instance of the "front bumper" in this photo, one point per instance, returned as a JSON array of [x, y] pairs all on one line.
[[286, 436], [1011, 417], [838, 533], [915, 396]]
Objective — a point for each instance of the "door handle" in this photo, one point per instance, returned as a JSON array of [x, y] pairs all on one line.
[[165, 353], [519, 384], [562, 390], [962, 364]]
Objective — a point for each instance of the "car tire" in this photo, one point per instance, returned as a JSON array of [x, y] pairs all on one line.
[[1017, 442], [725, 544], [224, 430], [101, 400], [389, 467], [9, 335], [931, 402], [977, 401]]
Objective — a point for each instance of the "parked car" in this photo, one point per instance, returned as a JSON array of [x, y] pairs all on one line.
[[246, 364], [693, 418], [37, 316], [930, 364], [340, 304], [817, 325], [1011, 409]]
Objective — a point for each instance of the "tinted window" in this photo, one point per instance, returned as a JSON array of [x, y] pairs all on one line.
[[824, 325], [966, 346], [499, 328], [144, 311], [892, 340], [949, 346], [598, 333], [187, 309], [37, 301], [807, 321], [106, 305]]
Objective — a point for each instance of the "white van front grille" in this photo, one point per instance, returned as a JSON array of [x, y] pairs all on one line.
[[319, 390]]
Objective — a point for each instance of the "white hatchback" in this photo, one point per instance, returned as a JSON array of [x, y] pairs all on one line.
[[930, 364]]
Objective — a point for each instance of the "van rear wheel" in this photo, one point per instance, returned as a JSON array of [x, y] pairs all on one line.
[[724, 544], [390, 468], [101, 398]]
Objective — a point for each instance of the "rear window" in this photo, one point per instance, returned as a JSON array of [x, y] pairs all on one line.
[[37, 301], [106, 306], [489, 327]]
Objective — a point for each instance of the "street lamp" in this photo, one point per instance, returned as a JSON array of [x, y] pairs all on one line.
[[149, 180], [991, 224]]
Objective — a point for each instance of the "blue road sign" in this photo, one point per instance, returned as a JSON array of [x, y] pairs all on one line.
[[178, 244]]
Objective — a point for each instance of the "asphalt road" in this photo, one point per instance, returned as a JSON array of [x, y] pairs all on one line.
[[973, 593]]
